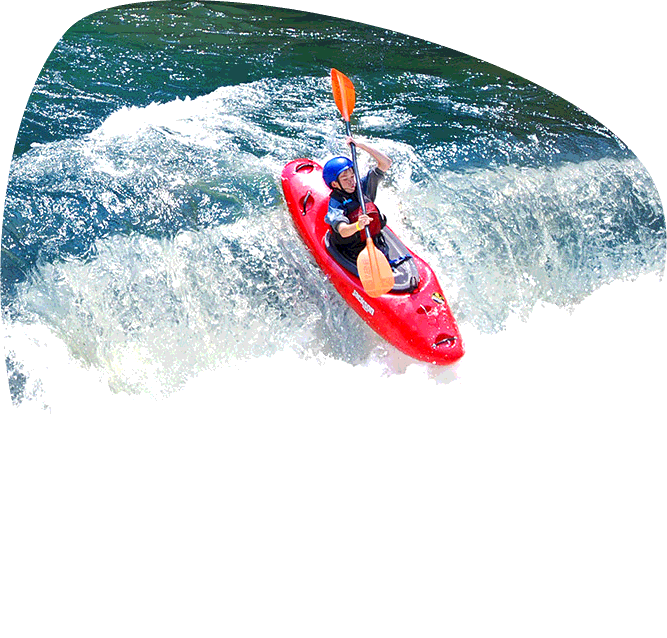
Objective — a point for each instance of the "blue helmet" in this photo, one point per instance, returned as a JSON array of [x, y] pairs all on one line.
[[334, 167]]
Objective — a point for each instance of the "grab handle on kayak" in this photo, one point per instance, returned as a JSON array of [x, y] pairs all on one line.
[[300, 167], [309, 195]]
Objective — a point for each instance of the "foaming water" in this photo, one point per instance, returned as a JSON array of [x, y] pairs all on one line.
[[158, 248], [537, 468], [508, 237], [154, 312], [596, 361]]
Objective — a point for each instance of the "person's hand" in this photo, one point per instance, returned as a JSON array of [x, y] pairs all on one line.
[[363, 221], [351, 140]]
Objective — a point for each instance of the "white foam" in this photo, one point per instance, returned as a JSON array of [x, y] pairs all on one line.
[[602, 361], [533, 478]]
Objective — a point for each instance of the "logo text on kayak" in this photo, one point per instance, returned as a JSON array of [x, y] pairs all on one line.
[[364, 304]]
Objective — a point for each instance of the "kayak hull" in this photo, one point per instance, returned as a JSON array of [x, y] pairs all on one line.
[[419, 321]]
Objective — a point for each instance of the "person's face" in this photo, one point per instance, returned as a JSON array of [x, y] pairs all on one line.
[[346, 180]]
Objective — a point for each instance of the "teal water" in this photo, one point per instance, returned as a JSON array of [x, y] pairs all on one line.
[[144, 224]]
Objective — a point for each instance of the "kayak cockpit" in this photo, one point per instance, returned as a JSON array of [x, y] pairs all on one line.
[[406, 275]]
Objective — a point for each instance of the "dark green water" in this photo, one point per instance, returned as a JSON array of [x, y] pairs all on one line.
[[158, 52]]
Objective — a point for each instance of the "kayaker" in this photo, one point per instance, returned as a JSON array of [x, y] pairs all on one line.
[[344, 214]]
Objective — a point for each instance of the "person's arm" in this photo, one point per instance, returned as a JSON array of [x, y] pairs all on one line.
[[347, 230], [382, 160], [336, 218]]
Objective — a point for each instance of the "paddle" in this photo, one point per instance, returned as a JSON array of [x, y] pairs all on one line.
[[375, 272]]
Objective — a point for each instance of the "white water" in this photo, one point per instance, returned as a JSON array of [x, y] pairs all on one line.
[[521, 492], [518, 493]]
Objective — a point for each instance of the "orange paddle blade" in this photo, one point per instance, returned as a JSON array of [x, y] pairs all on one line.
[[375, 272], [343, 91]]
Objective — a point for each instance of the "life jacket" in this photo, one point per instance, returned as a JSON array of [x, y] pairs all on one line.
[[353, 209]]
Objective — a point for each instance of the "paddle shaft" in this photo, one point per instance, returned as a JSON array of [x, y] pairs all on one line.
[[370, 246], [360, 193]]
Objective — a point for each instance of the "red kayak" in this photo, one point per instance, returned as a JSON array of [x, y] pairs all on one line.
[[414, 316]]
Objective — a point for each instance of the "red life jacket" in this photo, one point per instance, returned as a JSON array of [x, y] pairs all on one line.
[[372, 211]]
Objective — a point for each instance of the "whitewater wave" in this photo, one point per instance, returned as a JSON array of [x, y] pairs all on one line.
[[598, 359], [506, 238], [525, 479], [176, 306], [158, 248]]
